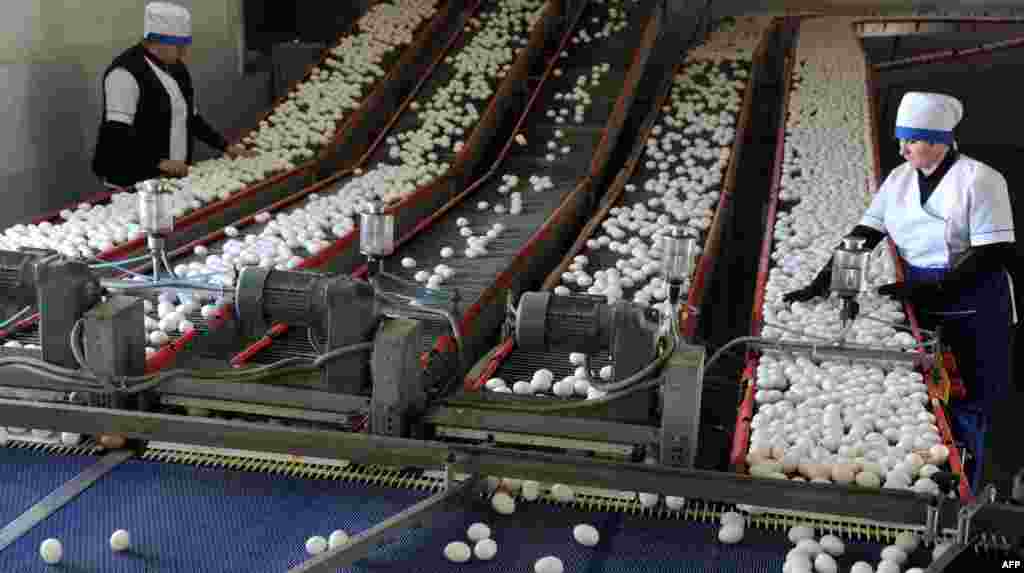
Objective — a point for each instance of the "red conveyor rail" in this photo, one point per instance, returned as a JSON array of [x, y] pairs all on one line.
[[421, 194], [745, 413], [942, 56], [957, 390]]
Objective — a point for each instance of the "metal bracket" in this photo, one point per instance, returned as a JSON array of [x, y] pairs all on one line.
[[359, 546], [967, 513]]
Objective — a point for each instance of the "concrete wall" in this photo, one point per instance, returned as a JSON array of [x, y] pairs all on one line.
[[51, 60]]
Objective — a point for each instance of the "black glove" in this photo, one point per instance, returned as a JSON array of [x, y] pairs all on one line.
[[818, 287], [805, 294], [918, 293]]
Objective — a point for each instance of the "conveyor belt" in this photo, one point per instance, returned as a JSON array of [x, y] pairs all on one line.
[[185, 518], [473, 276], [28, 475], [407, 121], [518, 364], [747, 405]]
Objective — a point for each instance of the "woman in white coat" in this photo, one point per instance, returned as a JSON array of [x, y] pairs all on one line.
[[950, 218]]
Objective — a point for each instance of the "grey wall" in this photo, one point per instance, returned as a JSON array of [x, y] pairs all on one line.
[[51, 59]]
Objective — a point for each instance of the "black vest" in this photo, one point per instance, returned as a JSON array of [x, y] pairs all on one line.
[[152, 115]]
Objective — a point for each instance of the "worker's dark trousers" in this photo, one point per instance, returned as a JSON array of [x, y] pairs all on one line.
[[976, 325]]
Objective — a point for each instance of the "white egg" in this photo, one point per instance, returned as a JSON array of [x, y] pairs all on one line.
[[730, 533], [825, 563], [832, 545], [522, 387], [51, 551], [337, 538], [457, 552], [907, 541], [800, 532], [586, 535], [316, 545], [503, 503], [675, 503], [562, 493], [120, 540], [861, 567], [895, 554], [478, 531], [530, 490], [485, 549], [549, 564]]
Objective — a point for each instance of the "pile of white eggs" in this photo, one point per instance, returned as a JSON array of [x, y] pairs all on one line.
[[447, 118], [811, 554], [689, 150], [543, 384], [477, 234], [826, 167], [844, 422], [169, 317], [307, 119]]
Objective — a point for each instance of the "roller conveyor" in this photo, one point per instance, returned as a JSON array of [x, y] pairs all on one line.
[[473, 277]]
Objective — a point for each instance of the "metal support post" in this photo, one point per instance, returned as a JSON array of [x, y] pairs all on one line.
[[680, 405]]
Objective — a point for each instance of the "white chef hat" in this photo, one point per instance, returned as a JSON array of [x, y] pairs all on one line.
[[168, 24], [928, 117]]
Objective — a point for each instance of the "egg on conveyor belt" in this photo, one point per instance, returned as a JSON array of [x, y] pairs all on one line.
[[457, 552]]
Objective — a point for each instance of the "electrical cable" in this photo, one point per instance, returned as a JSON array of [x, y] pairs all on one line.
[[114, 264], [15, 317], [643, 373]]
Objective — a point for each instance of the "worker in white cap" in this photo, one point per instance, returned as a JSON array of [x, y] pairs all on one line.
[[150, 114], [950, 219]]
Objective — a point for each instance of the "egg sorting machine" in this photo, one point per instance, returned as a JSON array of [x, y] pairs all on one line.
[[359, 318]]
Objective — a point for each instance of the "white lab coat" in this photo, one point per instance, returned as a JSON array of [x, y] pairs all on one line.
[[970, 207]]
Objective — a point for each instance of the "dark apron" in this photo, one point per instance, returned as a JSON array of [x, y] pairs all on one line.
[[976, 326]]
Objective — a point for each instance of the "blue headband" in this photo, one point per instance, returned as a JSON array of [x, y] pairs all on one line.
[[167, 39], [929, 135]]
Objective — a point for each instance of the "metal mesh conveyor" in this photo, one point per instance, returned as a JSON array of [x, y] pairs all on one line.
[[185, 518], [26, 476], [474, 276]]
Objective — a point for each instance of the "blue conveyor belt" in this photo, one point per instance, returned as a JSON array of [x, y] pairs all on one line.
[[28, 476], [186, 519]]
